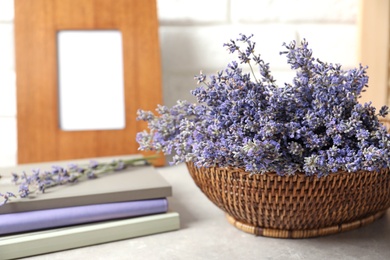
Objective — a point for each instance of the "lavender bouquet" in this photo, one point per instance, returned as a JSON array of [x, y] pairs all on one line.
[[314, 125]]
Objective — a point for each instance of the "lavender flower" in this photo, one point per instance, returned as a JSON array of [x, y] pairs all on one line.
[[314, 124], [6, 196]]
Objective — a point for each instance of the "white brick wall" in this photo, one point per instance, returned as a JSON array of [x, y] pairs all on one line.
[[293, 11], [191, 38], [192, 34], [179, 12], [6, 10], [8, 138]]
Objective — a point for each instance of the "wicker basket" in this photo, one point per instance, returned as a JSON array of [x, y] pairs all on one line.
[[295, 206]]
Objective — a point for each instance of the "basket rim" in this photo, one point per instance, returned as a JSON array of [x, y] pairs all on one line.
[[242, 171]]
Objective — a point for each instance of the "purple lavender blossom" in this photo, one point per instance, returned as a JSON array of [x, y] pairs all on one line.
[[314, 124], [6, 196]]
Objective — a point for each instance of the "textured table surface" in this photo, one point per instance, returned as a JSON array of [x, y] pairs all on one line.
[[205, 234]]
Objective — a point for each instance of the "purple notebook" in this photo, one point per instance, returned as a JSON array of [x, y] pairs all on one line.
[[49, 218]]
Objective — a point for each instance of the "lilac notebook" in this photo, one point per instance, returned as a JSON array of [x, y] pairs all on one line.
[[49, 218]]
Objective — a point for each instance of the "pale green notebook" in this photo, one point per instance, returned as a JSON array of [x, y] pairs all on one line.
[[134, 183], [34, 243]]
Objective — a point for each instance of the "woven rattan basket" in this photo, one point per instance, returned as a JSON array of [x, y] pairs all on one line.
[[295, 206]]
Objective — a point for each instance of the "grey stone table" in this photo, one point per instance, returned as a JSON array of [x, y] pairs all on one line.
[[206, 234]]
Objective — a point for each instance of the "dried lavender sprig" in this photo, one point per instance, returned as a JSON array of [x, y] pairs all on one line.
[[40, 181], [244, 56]]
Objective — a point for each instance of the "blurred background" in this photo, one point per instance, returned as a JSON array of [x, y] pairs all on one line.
[[191, 37]]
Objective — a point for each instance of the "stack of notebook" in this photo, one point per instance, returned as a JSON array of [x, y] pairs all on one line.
[[115, 206]]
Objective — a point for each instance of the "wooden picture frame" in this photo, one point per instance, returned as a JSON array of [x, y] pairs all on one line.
[[374, 42], [36, 25]]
